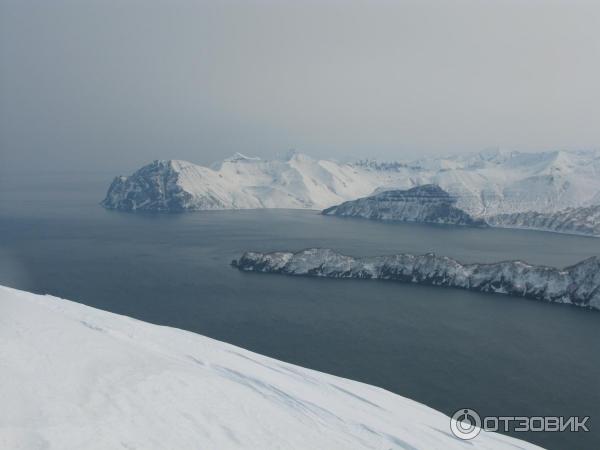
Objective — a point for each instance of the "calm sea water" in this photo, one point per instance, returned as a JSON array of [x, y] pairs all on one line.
[[443, 347]]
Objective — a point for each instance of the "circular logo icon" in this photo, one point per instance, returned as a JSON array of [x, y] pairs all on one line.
[[465, 424]]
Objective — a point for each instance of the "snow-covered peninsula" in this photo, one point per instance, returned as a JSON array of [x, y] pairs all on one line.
[[577, 285], [425, 204], [583, 220], [75, 377]]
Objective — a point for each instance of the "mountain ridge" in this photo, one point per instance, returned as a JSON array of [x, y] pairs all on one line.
[[485, 184]]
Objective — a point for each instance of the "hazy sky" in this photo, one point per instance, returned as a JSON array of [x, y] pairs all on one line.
[[114, 84]]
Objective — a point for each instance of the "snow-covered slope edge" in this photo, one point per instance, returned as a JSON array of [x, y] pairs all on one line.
[[424, 204], [583, 220], [74, 377], [578, 284]]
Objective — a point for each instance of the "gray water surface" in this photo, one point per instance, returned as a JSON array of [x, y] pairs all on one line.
[[447, 348]]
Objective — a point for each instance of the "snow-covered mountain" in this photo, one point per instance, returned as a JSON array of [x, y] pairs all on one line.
[[582, 220], [495, 182], [427, 203], [485, 184], [578, 284], [239, 182], [74, 377]]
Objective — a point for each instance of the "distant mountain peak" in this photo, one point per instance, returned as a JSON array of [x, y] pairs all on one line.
[[237, 156], [295, 155]]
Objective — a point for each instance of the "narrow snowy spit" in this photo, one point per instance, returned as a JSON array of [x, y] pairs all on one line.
[[75, 377], [577, 285]]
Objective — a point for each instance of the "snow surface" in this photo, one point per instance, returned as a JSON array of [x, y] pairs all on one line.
[[578, 284], [75, 377], [485, 183]]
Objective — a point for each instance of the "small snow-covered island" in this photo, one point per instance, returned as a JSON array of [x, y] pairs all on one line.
[[75, 377], [428, 203], [578, 284]]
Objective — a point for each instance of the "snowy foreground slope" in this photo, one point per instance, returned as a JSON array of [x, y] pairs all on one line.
[[484, 184], [74, 377], [577, 285], [427, 203]]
